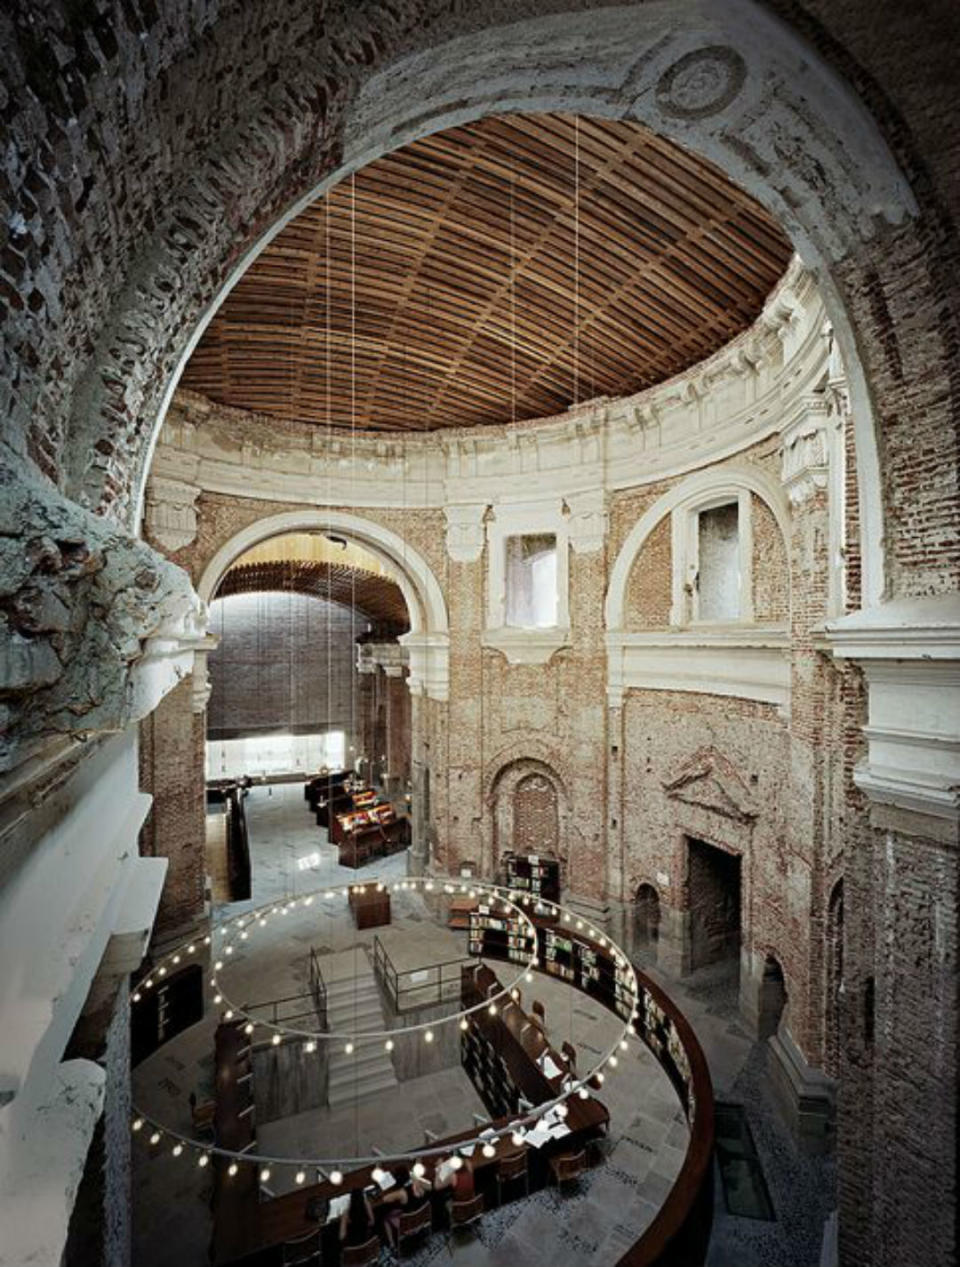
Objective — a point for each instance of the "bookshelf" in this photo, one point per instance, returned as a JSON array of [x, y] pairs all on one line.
[[534, 874], [496, 936]]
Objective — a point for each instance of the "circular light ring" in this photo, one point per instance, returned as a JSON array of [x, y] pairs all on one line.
[[494, 891], [575, 1087]]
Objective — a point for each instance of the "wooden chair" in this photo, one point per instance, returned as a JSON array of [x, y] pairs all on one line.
[[569, 1053], [567, 1167], [512, 1170], [365, 1255], [304, 1251], [413, 1226], [539, 1011], [464, 1214]]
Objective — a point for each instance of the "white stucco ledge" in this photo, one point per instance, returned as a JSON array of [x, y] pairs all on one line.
[[137, 909], [526, 646], [909, 651], [37, 1197]]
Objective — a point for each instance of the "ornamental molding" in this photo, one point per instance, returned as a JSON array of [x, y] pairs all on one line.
[[709, 781], [587, 524], [909, 652]]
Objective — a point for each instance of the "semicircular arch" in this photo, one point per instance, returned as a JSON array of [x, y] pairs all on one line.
[[702, 484]]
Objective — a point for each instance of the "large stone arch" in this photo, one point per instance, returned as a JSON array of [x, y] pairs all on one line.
[[734, 83], [428, 639]]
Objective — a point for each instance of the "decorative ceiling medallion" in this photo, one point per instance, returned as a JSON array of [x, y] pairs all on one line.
[[701, 83]]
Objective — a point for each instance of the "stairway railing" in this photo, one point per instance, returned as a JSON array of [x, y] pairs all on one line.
[[417, 987]]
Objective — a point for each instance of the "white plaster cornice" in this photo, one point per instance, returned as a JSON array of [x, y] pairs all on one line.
[[909, 651], [707, 414], [526, 646]]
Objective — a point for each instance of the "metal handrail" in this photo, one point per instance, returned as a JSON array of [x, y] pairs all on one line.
[[318, 989], [385, 970]]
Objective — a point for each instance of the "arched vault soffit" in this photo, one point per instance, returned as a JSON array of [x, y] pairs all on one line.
[[522, 757], [730, 82], [702, 484], [419, 586]]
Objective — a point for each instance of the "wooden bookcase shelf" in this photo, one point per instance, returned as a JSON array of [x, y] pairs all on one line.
[[534, 874]]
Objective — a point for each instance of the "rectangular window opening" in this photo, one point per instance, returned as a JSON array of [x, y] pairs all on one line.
[[718, 569], [531, 581], [278, 752], [745, 1190]]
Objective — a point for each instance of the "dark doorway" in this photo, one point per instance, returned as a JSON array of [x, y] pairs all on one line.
[[714, 891], [646, 918], [773, 998]]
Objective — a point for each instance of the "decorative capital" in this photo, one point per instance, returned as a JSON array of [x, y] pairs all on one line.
[[588, 520], [804, 450], [171, 512], [465, 531]]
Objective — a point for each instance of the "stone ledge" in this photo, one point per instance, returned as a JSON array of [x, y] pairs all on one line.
[[806, 1097]]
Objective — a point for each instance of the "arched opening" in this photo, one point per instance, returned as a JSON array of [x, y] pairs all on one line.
[[773, 998], [646, 920], [833, 955], [528, 812], [308, 679]]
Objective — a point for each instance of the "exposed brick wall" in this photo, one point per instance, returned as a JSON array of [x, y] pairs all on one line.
[[771, 570], [172, 761], [283, 660], [535, 819], [649, 588]]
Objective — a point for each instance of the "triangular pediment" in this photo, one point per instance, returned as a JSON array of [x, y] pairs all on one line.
[[708, 780]]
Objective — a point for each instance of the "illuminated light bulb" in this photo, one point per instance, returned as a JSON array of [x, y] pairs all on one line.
[[346, 893], [218, 965], [624, 1045], [583, 1093], [136, 998], [299, 1177], [191, 948], [336, 1176], [310, 1047], [148, 984], [612, 1062], [218, 998], [562, 1111], [262, 922], [489, 1150], [456, 1162], [176, 958], [265, 1174], [228, 950], [228, 1014], [388, 1045], [203, 1160], [275, 1040], [492, 1009], [428, 1036], [177, 1149], [232, 1168], [517, 1139], [593, 932], [137, 1123], [243, 935], [155, 1137], [206, 940], [599, 1077], [429, 886], [419, 1170], [161, 972], [348, 1048], [514, 994], [528, 976], [579, 923], [448, 888], [464, 1024]]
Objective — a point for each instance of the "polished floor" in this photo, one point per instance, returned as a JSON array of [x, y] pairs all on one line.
[[591, 1226]]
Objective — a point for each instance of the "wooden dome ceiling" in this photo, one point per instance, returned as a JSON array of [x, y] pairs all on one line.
[[439, 287]]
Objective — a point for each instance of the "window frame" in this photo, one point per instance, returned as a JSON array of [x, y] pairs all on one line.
[[685, 534]]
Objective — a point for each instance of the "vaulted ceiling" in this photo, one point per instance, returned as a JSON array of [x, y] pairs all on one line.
[[497, 271], [371, 595]]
